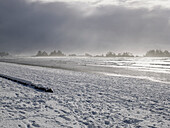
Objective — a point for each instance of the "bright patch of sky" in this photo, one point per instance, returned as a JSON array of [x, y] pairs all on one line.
[[127, 3]]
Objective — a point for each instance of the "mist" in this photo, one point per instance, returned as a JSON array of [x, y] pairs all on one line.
[[26, 27]]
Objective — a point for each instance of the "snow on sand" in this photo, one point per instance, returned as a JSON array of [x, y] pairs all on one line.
[[81, 100]]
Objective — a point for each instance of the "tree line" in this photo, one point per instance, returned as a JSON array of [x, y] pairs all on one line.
[[157, 53], [150, 53], [2, 54], [53, 53], [60, 53], [124, 54]]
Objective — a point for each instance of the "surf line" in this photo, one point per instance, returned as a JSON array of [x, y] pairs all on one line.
[[27, 83]]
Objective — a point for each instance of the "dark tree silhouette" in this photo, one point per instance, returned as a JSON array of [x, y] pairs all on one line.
[[88, 55], [99, 55], [72, 55], [110, 54], [40, 53], [3, 54], [125, 54], [59, 53], [54, 53], [44, 54], [157, 53]]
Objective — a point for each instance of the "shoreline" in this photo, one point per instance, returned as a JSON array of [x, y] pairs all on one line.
[[74, 66]]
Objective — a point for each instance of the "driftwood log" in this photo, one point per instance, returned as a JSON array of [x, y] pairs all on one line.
[[27, 83]]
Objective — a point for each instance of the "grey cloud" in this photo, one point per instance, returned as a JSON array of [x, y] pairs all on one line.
[[27, 27]]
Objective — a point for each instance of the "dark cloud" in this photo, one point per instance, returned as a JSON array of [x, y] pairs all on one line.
[[27, 27]]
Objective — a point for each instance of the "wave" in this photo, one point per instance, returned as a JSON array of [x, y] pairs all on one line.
[[156, 69]]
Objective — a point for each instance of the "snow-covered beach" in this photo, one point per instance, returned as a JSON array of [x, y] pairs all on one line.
[[85, 95]]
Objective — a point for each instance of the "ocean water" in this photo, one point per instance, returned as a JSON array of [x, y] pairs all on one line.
[[153, 68]]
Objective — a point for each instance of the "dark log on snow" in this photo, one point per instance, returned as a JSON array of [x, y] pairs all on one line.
[[27, 83]]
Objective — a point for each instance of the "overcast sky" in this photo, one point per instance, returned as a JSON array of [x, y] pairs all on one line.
[[94, 26]]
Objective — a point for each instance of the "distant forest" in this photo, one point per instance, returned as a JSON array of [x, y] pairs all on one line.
[[53, 53], [150, 53], [157, 53], [59, 53], [2, 54]]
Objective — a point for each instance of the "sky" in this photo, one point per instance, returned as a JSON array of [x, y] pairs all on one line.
[[93, 26]]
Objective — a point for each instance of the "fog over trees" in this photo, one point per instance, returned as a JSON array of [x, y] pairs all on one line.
[[150, 53], [40, 53], [2, 54], [53, 53], [157, 53], [72, 55], [58, 53], [125, 54]]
